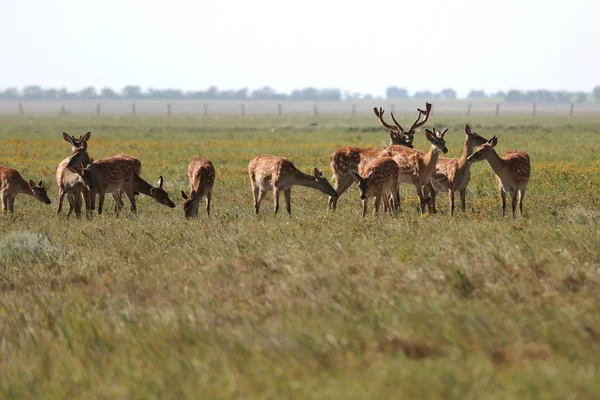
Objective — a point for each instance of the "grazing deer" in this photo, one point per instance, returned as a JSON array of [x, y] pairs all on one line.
[[454, 174], [380, 177], [201, 175], [417, 167], [109, 175], [12, 184], [512, 172], [348, 159], [141, 186], [279, 174], [70, 184]]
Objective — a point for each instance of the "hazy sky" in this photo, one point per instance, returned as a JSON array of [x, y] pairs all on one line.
[[362, 46]]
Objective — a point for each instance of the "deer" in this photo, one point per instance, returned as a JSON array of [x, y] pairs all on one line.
[[279, 174], [417, 167], [109, 175], [378, 178], [201, 176], [454, 174], [141, 186], [12, 184], [70, 184], [348, 159], [512, 172]]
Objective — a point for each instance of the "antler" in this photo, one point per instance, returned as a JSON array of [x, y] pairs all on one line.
[[397, 124], [379, 114], [417, 124]]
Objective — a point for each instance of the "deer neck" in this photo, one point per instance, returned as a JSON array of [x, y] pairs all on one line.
[[467, 151], [140, 185], [429, 161], [22, 187], [301, 179], [498, 165]]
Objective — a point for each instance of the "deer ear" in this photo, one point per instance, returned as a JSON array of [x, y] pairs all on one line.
[[160, 181], [87, 136], [317, 173], [67, 138], [429, 134], [184, 195], [467, 129], [31, 184], [40, 183], [356, 176], [152, 191], [493, 141]]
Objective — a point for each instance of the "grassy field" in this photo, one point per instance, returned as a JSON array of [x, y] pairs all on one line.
[[316, 305]]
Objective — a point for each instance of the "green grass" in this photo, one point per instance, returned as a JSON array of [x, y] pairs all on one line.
[[317, 305]]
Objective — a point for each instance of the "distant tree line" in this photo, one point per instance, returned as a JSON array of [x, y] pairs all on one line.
[[35, 92]]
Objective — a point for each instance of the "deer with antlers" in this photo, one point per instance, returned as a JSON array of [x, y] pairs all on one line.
[[417, 167], [69, 183], [201, 175], [512, 172], [279, 175], [12, 184], [376, 180], [454, 174], [348, 159]]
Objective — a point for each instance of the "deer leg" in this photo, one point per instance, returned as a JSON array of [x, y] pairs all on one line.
[[117, 197], [288, 200], [261, 196], [255, 195], [420, 195], [131, 197], [101, 195], [428, 193], [75, 202], [377, 205], [364, 213], [208, 196], [276, 199], [4, 201], [463, 196], [61, 195], [451, 197], [503, 196], [514, 199], [11, 204], [521, 196], [395, 201]]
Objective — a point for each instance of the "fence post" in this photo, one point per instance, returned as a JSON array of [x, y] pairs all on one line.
[[353, 109], [133, 112], [497, 109], [63, 110], [21, 111], [97, 109], [168, 110], [243, 110], [533, 111], [468, 110], [316, 110], [572, 109], [205, 106], [279, 110]]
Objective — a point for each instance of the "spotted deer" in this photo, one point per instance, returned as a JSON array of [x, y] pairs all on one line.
[[453, 174], [108, 175], [201, 176], [279, 175], [12, 184], [70, 184], [348, 159], [376, 180], [512, 172], [417, 167], [141, 186]]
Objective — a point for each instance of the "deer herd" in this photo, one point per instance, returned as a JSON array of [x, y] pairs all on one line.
[[378, 173]]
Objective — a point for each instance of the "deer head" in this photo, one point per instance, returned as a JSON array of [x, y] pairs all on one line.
[[160, 195], [323, 184], [483, 151], [190, 206], [77, 143], [86, 175], [397, 137], [473, 139], [79, 156], [436, 138], [39, 191], [363, 183]]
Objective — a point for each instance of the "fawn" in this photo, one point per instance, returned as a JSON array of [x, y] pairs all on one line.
[[12, 184], [70, 183], [279, 174], [512, 172], [201, 176], [454, 174], [380, 177]]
